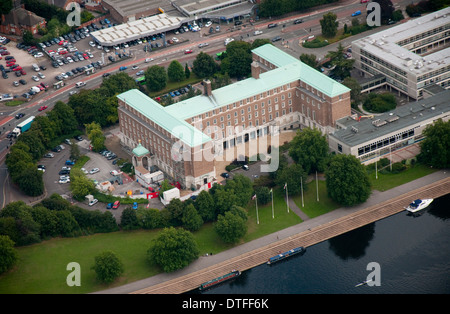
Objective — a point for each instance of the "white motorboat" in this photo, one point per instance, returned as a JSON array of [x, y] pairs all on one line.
[[419, 204]]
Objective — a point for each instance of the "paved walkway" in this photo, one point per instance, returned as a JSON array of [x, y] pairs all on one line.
[[204, 262]]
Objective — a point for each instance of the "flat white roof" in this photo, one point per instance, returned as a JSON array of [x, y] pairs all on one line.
[[384, 44], [125, 32]]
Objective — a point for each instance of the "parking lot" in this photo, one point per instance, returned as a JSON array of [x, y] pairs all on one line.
[[67, 57]]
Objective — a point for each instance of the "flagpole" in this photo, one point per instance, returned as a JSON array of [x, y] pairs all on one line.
[[271, 192], [257, 216], [317, 187], [301, 184], [287, 199]]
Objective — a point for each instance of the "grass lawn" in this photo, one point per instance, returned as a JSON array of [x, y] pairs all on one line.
[[42, 267], [388, 181], [314, 208]]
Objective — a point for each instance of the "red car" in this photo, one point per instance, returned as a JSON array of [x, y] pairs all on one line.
[[8, 64], [41, 88], [116, 205], [187, 51], [43, 108], [17, 68], [63, 52], [23, 72]]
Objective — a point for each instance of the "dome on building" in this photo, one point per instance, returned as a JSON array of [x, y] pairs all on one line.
[[140, 150]]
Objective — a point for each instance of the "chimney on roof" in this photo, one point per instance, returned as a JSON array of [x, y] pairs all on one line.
[[207, 86], [255, 70]]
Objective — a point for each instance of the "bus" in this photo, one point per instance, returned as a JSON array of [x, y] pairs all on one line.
[[140, 80], [220, 55]]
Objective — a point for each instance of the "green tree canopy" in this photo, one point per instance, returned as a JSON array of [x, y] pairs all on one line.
[[108, 266], [309, 148], [238, 59], [156, 78], [231, 226], [175, 71], [173, 249], [347, 180], [204, 65], [343, 66], [435, 149], [8, 254], [294, 177], [329, 24]]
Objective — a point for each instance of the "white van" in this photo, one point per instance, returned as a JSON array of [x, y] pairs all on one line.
[[256, 33], [80, 84]]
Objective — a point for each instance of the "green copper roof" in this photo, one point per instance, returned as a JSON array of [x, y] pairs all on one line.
[[140, 150], [173, 118], [158, 114], [307, 74]]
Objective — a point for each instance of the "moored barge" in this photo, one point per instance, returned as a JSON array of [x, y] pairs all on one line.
[[284, 255]]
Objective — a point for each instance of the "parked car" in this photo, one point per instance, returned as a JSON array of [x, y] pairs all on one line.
[[116, 204], [93, 202], [95, 170], [49, 155], [70, 162]]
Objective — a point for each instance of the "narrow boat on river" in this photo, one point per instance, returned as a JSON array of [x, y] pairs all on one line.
[[284, 255]]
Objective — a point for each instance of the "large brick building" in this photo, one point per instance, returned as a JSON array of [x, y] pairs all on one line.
[[185, 139]]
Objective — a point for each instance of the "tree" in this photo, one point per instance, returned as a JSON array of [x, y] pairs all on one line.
[[187, 72], [173, 249], [129, 220], [155, 78], [309, 59], [74, 151], [205, 206], [347, 180], [80, 185], [175, 71], [343, 66], [95, 135], [30, 181], [329, 24], [263, 195], [355, 89], [5, 7], [117, 84], [230, 227], [108, 266], [62, 116], [387, 8], [293, 176], [380, 102], [8, 255], [238, 59], [309, 148], [435, 148], [204, 65], [28, 38], [243, 188], [191, 220]]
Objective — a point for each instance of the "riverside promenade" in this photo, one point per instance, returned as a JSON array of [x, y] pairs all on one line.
[[312, 231]]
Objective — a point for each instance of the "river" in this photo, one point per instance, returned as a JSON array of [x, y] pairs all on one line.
[[412, 252]]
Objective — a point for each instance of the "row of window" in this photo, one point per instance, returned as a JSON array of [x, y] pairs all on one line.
[[384, 142]]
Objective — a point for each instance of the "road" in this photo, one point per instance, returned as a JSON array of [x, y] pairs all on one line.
[[292, 35]]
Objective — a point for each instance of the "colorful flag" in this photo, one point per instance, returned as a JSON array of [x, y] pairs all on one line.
[[285, 185], [253, 197]]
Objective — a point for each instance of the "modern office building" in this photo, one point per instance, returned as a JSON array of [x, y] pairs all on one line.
[[185, 139], [370, 139], [411, 56]]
